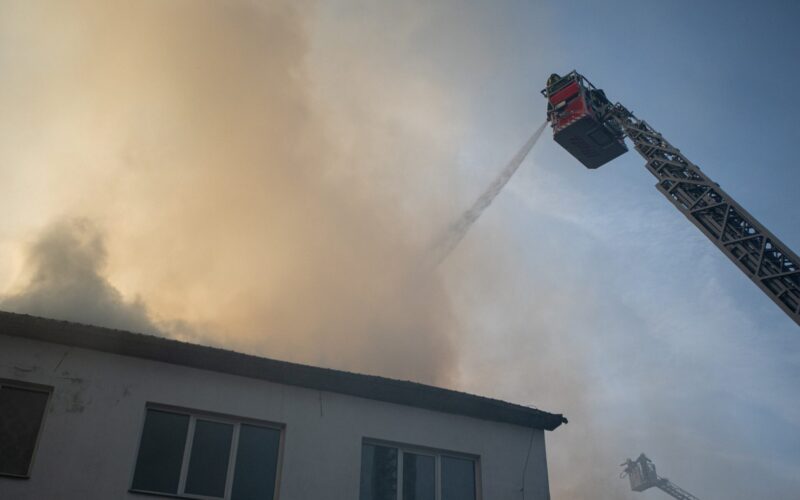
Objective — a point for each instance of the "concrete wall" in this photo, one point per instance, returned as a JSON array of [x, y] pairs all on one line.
[[90, 434]]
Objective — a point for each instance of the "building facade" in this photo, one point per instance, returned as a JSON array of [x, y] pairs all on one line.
[[92, 413]]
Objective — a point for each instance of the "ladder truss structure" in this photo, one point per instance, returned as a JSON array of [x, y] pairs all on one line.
[[767, 261], [642, 475]]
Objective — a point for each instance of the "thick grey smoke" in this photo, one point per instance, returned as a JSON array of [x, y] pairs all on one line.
[[235, 196], [65, 279]]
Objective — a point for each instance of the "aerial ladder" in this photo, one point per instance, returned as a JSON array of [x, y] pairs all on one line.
[[593, 130], [642, 475]]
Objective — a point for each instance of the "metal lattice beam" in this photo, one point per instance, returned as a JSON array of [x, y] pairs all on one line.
[[768, 262], [674, 491]]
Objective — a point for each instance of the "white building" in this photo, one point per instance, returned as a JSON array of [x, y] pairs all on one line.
[[91, 413]]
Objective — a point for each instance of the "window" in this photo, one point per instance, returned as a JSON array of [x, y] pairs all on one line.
[[389, 472], [22, 408], [199, 456]]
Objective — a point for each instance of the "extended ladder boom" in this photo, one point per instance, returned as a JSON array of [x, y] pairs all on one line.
[[674, 491], [593, 130], [767, 261], [642, 475]]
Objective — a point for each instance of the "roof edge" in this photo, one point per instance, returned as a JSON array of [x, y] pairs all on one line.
[[176, 352]]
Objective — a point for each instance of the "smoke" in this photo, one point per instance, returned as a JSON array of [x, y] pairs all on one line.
[[268, 176], [64, 279], [235, 197]]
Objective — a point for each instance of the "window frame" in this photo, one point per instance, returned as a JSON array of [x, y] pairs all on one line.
[[437, 454], [194, 415], [33, 387]]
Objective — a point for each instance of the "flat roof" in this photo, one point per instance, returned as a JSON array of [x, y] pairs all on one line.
[[282, 372]]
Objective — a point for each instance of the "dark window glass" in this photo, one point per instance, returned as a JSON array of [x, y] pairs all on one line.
[[378, 473], [208, 464], [158, 467], [256, 463], [21, 412], [419, 477], [458, 479]]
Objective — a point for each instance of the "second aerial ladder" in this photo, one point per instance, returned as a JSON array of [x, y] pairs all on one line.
[[642, 475]]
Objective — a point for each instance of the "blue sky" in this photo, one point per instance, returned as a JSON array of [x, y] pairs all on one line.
[[682, 356], [719, 76], [687, 360]]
